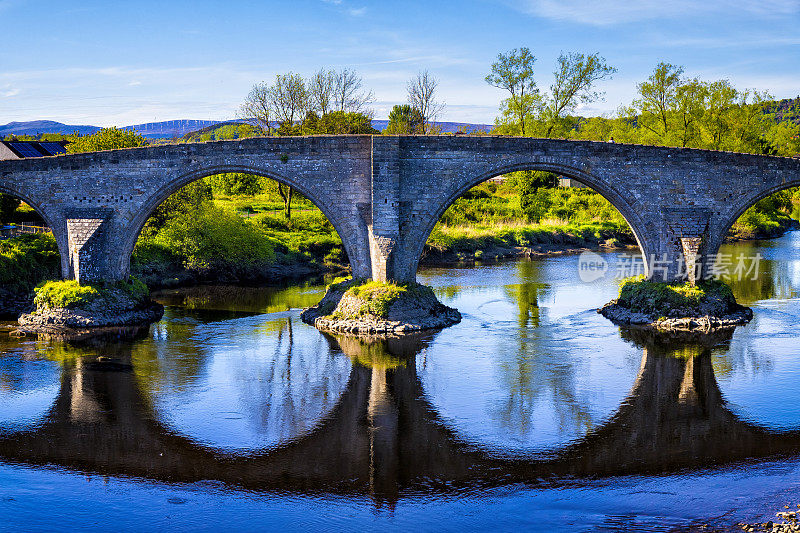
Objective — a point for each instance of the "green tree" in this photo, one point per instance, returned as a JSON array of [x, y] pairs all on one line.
[[659, 96], [106, 139], [534, 198], [235, 183], [404, 119], [574, 80], [184, 201], [513, 72], [339, 123]]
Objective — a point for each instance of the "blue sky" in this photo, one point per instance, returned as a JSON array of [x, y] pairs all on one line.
[[110, 63]]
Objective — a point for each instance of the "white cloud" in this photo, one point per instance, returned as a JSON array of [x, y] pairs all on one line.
[[7, 91], [357, 12], [610, 12]]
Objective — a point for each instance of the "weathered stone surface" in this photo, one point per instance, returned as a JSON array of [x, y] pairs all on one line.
[[384, 194], [712, 321], [114, 307], [82, 318]]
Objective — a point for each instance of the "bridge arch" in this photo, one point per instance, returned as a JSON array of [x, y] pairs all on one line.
[[643, 238], [719, 230], [172, 186], [56, 224]]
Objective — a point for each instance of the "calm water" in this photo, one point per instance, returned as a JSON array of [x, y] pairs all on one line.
[[534, 412]]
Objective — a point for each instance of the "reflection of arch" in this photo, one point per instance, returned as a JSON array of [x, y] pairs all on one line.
[[160, 196], [59, 232], [379, 444], [605, 189]]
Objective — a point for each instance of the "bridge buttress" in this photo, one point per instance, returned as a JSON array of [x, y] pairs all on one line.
[[89, 240], [384, 226]]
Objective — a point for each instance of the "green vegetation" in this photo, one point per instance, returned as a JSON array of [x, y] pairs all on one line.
[[27, 260], [643, 296], [404, 119], [208, 240], [768, 217], [106, 139], [69, 294], [495, 216]]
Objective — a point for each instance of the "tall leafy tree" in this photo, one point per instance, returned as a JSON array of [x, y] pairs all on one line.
[[658, 97], [513, 72], [574, 79]]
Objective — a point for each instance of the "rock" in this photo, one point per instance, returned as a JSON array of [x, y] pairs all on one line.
[[413, 311], [114, 309]]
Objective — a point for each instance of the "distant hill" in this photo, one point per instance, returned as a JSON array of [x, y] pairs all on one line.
[[35, 127], [170, 128], [787, 109], [152, 130], [192, 129], [234, 129]]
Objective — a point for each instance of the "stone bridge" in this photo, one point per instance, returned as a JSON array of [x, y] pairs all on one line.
[[384, 194]]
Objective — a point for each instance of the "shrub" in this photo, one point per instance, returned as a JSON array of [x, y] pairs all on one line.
[[64, 294], [212, 238]]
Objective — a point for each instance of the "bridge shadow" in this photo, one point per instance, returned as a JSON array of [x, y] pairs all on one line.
[[384, 439]]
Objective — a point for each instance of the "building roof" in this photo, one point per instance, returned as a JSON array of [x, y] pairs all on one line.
[[27, 149]]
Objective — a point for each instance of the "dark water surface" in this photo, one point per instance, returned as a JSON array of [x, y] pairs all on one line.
[[534, 412]]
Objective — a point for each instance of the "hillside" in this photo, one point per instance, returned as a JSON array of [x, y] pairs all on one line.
[[152, 130], [787, 109], [189, 129], [35, 127]]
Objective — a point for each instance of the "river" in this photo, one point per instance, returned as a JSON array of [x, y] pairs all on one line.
[[534, 412]]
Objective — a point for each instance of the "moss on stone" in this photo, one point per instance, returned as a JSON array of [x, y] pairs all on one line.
[[643, 296]]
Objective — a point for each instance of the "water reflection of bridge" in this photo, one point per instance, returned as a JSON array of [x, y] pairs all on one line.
[[383, 437]]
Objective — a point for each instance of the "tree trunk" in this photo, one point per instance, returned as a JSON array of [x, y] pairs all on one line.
[[286, 196]]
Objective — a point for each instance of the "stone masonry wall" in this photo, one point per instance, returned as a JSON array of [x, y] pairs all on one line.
[[384, 194]]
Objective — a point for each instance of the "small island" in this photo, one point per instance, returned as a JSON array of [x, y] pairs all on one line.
[[360, 307], [64, 306], [681, 306]]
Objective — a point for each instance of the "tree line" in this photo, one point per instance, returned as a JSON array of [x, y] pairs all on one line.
[[670, 109]]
